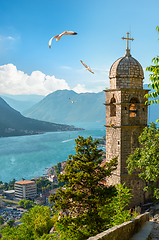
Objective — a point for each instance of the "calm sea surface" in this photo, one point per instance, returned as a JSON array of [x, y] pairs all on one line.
[[28, 156]]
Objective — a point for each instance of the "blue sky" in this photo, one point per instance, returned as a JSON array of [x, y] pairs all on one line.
[[28, 66]]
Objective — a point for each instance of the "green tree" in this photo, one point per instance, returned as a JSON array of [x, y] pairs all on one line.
[[146, 158], [58, 169], [154, 78], [10, 223], [11, 184], [41, 184], [27, 204], [114, 212], [118, 204], [84, 193], [36, 224], [38, 220], [6, 186], [21, 203], [1, 220]]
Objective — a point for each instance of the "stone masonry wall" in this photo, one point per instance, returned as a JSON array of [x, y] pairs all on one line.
[[126, 117], [124, 231], [129, 142], [136, 185], [113, 146], [122, 132]]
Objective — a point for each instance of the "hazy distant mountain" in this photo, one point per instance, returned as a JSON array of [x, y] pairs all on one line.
[[31, 97], [22, 102], [56, 107], [12, 123], [87, 107]]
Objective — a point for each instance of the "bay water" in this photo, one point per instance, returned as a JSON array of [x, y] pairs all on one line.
[[30, 156]]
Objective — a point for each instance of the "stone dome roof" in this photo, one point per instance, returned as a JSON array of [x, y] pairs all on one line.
[[126, 66]]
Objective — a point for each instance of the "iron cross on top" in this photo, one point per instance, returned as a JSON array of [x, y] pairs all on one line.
[[127, 39]]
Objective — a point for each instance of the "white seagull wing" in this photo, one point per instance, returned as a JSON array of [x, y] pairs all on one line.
[[68, 33], [58, 37], [90, 70], [50, 41], [71, 100]]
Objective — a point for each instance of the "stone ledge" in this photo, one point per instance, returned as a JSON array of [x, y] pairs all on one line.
[[124, 231]]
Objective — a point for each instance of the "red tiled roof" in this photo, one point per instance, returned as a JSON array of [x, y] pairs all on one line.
[[25, 182]]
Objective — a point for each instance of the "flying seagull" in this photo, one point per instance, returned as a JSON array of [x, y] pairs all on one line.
[[58, 37], [87, 68], [71, 100]]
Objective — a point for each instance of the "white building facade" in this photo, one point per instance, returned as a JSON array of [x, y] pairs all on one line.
[[25, 189]]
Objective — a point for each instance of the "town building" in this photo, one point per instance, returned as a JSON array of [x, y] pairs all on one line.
[[25, 189], [9, 193], [126, 117], [40, 200], [53, 178]]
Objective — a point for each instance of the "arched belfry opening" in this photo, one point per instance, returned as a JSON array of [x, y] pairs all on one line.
[[112, 107], [133, 108]]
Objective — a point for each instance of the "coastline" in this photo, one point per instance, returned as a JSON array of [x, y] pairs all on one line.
[[31, 133]]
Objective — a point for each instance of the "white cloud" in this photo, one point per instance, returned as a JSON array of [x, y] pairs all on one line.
[[4, 38], [99, 88], [80, 88], [10, 38], [13, 81], [16, 82]]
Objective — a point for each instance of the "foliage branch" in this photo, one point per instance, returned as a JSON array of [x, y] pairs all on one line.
[[145, 160]]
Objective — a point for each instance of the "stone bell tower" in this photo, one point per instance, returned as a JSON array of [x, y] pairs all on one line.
[[126, 116]]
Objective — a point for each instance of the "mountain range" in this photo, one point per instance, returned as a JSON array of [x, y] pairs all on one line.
[[57, 107], [12, 123], [22, 102], [87, 107]]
